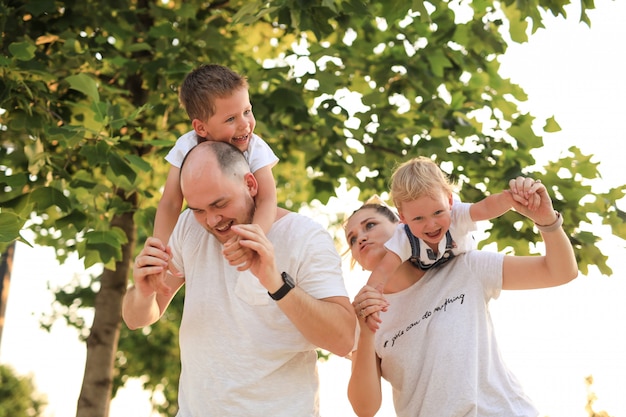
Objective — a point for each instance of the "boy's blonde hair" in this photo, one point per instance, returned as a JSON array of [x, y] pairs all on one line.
[[418, 177], [206, 83]]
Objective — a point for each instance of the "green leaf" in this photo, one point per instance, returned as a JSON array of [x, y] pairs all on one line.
[[138, 162], [95, 154], [76, 219], [23, 51], [246, 14], [438, 62], [10, 226], [114, 237], [551, 125], [45, 197], [121, 168], [136, 47], [85, 84], [40, 7]]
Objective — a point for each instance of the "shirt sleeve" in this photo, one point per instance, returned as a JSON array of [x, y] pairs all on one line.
[[399, 243], [260, 154], [461, 219], [182, 146]]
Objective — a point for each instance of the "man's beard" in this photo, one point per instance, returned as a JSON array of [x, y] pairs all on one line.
[[250, 209]]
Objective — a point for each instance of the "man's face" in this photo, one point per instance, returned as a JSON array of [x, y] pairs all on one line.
[[218, 201]]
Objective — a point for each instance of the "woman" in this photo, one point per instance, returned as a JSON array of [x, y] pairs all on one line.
[[435, 342]]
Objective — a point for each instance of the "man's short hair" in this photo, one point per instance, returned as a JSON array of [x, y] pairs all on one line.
[[230, 160]]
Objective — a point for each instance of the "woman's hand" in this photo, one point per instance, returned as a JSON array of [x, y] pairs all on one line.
[[538, 206], [367, 304]]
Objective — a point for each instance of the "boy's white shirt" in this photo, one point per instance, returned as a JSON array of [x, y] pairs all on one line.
[[461, 226], [259, 154]]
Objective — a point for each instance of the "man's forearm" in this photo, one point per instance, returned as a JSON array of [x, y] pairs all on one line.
[[328, 323]]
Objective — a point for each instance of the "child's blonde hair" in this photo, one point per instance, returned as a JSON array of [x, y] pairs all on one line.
[[418, 177]]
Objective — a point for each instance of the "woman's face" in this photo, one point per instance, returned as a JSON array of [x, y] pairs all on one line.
[[366, 233]]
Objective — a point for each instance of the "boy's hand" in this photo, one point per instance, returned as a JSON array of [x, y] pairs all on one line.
[[525, 192], [150, 268], [237, 255], [253, 250], [367, 305]]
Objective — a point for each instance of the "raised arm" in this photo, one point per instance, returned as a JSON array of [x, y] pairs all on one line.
[[496, 205], [491, 206], [558, 266], [169, 206], [266, 200], [154, 287], [378, 278]]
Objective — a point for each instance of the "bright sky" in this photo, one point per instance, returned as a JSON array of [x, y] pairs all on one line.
[[551, 339]]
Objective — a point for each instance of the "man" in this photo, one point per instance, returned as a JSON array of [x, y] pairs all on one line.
[[254, 315]]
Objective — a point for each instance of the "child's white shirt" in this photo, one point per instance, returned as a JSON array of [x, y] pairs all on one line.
[[258, 155], [461, 226]]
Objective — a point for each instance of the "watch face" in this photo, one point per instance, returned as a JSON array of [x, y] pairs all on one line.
[[288, 280]]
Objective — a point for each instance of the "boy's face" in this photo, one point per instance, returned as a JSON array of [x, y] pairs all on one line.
[[233, 121], [428, 218]]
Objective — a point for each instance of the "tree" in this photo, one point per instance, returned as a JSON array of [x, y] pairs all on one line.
[[88, 93], [6, 264], [18, 397]]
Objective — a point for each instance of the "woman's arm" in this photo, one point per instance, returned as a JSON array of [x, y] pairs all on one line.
[[364, 387], [558, 266]]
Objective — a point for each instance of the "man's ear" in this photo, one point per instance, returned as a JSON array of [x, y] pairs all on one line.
[[450, 200], [251, 183]]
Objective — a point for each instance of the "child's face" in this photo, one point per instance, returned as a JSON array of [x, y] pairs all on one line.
[[428, 218], [233, 121]]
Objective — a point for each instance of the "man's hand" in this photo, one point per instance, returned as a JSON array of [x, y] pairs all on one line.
[[259, 257]]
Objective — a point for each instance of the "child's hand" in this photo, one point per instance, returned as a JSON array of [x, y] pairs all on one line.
[[150, 267], [524, 191], [367, 305], [373, 321], [237, 255]]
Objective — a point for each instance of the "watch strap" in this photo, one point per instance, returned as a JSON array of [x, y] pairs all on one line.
[[282, 291]]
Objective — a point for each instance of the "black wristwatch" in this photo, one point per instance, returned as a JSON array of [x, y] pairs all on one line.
[[287, 286]]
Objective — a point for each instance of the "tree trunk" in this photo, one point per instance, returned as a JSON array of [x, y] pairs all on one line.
[[95, 394], [6, 265]]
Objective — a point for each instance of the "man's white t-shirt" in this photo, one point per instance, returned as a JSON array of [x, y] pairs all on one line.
[[240, 354]]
